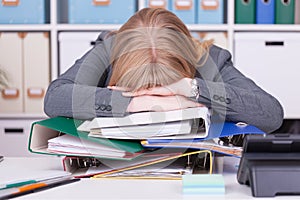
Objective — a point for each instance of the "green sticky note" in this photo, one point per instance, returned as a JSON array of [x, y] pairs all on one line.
[[204, 184]]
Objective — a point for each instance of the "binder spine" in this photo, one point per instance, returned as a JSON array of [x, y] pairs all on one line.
[[265, 11], [285, 11], [245, 11]]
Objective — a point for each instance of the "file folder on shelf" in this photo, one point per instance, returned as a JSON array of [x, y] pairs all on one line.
[[185, 10], [265, 11], [44, 130], [245, 11], [297, 12], [210, 12], [284, 12], [11, 98]]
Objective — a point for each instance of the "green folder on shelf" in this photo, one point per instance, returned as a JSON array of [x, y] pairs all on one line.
[[245, 11], [285, 11], [52, 128]]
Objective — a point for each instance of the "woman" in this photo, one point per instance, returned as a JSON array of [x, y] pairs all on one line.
[[153, 63]]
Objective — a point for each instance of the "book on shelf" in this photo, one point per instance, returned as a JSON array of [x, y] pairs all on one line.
[[185, 123]]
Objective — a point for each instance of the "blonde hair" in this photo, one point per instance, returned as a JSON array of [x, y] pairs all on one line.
[[154, 48]]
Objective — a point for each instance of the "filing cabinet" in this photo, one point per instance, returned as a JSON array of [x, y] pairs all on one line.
[[14, 137], [24, 56]]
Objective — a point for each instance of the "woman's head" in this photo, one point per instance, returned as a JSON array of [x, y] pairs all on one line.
[[153, 48]]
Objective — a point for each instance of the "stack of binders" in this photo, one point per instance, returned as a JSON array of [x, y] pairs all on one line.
[[141, 145], [267, 12]]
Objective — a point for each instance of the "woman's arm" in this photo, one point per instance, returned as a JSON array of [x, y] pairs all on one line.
[[236, 97], [229, 93], [81, 91]]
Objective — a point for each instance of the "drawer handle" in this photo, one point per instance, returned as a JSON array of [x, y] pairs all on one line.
[[210, 4], [35, 92], [183, 4], [10, 2], [10, 93], [13, 130], [274, 43], [157, 4], [101, 2]]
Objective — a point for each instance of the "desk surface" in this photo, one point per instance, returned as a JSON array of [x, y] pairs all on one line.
[[120, 189]]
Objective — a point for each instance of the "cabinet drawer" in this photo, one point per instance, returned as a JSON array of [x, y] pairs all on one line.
[[14, 136], [271, 60]]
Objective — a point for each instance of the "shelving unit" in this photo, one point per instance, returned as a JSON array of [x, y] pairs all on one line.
[[54, 28]]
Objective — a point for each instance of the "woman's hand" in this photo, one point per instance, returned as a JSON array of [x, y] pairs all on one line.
[[160, 103], [164, 98], [182, 87]]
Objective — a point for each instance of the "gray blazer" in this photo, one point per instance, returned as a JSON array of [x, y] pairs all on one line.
[[81, 91]]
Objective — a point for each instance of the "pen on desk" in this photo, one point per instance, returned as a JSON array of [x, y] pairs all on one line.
[[17, 184], [31, 181], [35, 187]]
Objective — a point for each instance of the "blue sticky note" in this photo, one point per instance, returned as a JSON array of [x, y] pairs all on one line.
[[203, 184]]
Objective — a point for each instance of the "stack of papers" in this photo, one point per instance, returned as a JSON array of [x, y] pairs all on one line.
[[177, 124], [207, 144], [144, 131], [165, 163], [68, 144]]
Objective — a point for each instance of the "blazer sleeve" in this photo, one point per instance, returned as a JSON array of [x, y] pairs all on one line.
[[234, 96], [81, 91]]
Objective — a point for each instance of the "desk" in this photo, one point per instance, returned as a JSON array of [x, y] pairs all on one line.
[[122, 189]]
